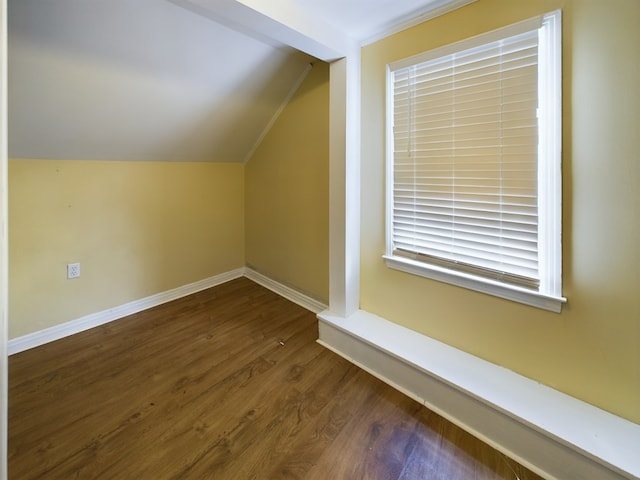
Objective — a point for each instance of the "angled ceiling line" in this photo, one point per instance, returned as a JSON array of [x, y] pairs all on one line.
[[178, 87], [283, 24], [278, 112]]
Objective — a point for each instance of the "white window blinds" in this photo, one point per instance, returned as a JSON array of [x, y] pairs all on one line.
[[465, 160]]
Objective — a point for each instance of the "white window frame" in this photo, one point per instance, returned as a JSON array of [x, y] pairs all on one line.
[[548, 296]]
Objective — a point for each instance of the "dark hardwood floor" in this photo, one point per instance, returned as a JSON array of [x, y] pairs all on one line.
[[228, 383]]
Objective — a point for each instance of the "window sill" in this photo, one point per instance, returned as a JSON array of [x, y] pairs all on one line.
[[509, 292]]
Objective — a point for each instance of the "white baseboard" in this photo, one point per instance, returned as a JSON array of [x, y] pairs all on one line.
[[92, 320], [286, 292], [553, 434], [81, 324]]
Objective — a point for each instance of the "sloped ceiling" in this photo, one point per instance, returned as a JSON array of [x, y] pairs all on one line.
[[138, 80], [172, 80]]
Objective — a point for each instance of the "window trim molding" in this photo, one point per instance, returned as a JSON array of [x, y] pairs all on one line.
[[477, 284], [549, 297], [550, 157], [477, 40]]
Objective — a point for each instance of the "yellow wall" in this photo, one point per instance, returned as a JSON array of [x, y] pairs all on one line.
[[287, 192], [142, 228], [592, 349], [137, 228]]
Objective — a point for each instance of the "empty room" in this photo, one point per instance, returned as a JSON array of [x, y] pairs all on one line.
[[348, 239]]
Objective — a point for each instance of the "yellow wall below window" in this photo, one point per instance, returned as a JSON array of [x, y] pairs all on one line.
[[592, 349], [137, 229], [287, 193]]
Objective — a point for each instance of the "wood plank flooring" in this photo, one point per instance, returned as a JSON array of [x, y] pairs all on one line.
[[228, 383]]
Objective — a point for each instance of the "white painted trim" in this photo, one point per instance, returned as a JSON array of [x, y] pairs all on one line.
[[475, 283], [550, 154], [4, 242], [481, 39], [92, 320], [284, 291], [352, 188], [274, 21], [337, 187], [344, 185], [434, 9], [553, 434], [281, 108]]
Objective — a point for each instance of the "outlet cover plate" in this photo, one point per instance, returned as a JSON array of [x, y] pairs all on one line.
[[73, 270]]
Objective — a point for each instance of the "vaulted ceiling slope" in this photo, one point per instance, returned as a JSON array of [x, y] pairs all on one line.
[[138, 80], [170, 80]]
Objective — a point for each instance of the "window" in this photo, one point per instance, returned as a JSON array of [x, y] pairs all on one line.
[[474, 163]]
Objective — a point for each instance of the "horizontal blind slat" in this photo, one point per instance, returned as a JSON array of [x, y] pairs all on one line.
[[465, 157]]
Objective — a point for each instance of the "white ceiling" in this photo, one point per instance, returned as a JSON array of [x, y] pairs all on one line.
[[370, 19], [151, 80]]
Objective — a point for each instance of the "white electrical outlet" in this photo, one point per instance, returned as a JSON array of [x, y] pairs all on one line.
[[73, 270]]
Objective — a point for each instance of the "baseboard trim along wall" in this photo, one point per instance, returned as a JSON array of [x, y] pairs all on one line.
[[287, 292], [553, 434], [92, 320]]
